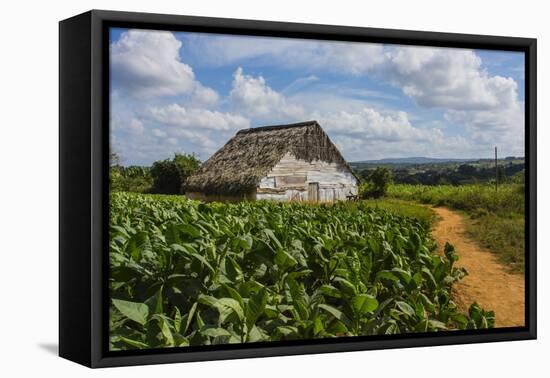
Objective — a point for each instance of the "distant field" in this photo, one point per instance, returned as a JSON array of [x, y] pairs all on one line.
[[496, 218]]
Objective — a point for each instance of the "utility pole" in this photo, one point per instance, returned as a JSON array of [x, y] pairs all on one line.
[[496, 170]]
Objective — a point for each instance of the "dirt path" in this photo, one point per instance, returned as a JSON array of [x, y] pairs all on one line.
[[488, 283]]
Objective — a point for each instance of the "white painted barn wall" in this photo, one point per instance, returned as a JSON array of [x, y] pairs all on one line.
[[335, 182]]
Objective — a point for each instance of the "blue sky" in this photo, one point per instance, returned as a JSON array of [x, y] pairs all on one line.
[[191, 92]]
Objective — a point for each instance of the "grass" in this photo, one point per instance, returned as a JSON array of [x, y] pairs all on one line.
[[473, 198], [400, 207], [495, 219], [504, 235]]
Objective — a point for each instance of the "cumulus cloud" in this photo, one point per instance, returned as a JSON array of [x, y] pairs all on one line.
[[138, 145], [340, 119], [167, 109], [448, 78], [147, 64], [362, 130], [255, 98], [486, 106], [142, 133], [371, 124], [372, 134], [196, 118], [451, 79], [160, 135], [204, 96]]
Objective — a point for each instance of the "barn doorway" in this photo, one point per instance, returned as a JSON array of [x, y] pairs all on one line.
[[313, 191]]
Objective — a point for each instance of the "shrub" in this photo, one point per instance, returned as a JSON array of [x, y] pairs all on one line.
[[166, 177], [377, 183]]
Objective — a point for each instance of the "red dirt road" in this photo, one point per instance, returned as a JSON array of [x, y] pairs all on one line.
[[488, 282]]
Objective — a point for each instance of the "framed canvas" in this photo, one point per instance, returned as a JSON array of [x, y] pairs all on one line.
[[235, 188]]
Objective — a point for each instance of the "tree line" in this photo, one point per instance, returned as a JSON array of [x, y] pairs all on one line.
[[162, 177], [463, 174]]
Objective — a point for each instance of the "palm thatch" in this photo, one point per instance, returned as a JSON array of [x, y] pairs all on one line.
[[238, 167]]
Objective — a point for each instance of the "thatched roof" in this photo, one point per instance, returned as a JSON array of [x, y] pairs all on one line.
[[246, 158]]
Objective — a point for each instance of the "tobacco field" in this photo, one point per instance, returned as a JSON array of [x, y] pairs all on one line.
[[184, 273]]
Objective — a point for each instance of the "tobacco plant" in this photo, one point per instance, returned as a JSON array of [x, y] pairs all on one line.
[[185, 273]]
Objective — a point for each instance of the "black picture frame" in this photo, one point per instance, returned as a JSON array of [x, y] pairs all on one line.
[[83, 181]]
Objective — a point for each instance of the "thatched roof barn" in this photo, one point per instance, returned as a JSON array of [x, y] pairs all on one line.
[[285, 162]]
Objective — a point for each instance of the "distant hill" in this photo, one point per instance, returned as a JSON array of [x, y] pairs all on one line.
[[412, 160]]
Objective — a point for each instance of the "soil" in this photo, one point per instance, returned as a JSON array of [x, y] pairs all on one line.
[[488, 282]]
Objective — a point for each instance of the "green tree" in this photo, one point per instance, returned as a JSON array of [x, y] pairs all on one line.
[[166, 177], [188, 164], [377, 183], [137, 179], [169, 175]]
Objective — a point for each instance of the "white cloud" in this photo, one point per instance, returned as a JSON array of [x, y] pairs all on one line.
[[359, 129], [376, 127], [350, 57], [434, 77], [450, 79], [357, 149], [486, 106], [300, 83], [447, 78], [158, 133], [480, 109], [502, 127], [142, 134], [204, 96], [196, 118], [136, 126], [255, 98], [146, 64], [139, 145], [497, 120], [373, 134]]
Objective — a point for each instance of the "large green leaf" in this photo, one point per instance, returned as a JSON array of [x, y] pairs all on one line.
[[336, 313], [138, 312], [233, 305], [255, 307], [234, 294], [364, 303], [271, 235], [165, 329], [189, 318], [284, 260], [155, 303], [225, 306], [405, 307], [215, 332], [347, 287], [190, 230], [330, 291], [138, 245], [203, 260]]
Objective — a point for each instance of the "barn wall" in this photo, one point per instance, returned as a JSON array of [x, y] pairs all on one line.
[[289, 180]]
